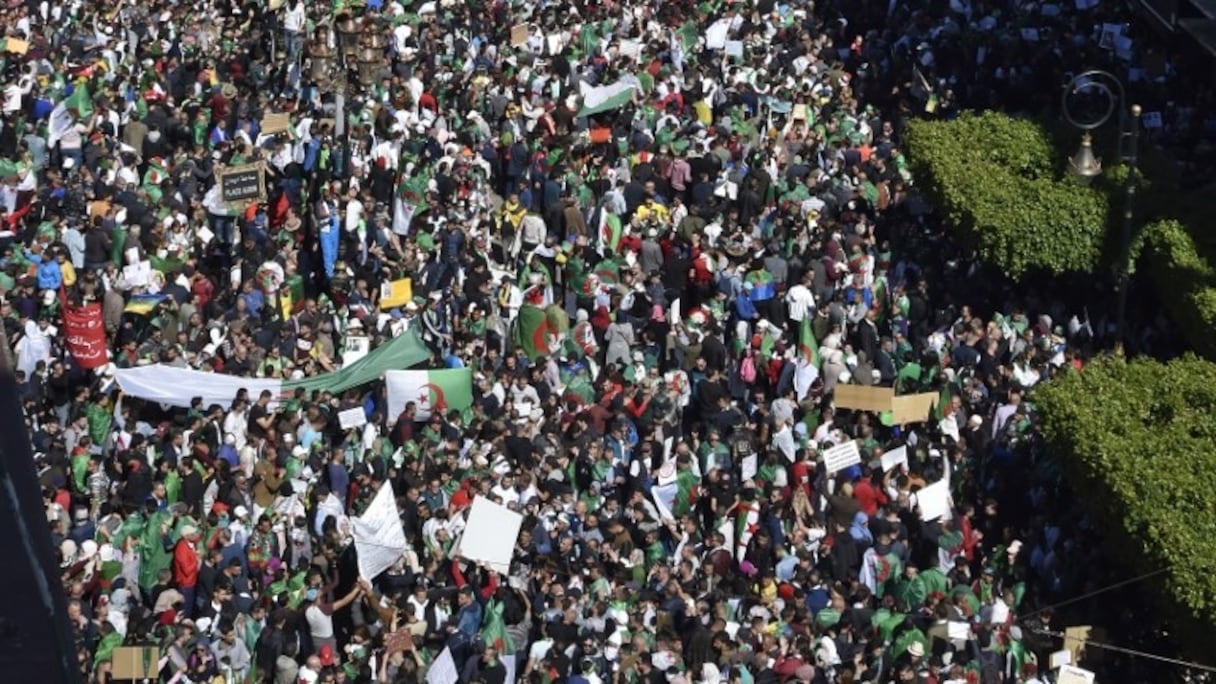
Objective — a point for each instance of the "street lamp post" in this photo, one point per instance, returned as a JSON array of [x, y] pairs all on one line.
[[1086, 166]]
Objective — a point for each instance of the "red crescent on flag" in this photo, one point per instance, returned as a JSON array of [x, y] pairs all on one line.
[[540, 337], [439, 403]]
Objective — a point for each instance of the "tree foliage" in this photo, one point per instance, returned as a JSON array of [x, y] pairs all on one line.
[[1137, 439], [998, 181], [1185, 281]]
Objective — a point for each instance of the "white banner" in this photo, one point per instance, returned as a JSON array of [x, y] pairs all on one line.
[[379, 537], [177, 386]]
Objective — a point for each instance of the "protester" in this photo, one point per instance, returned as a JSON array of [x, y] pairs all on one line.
[[661, 238]]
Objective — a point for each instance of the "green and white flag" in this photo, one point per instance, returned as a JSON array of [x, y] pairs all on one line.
[[598, 99], [429, 390]]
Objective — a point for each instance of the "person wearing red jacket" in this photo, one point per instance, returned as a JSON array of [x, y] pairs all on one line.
[[185, 566], [868, 496]]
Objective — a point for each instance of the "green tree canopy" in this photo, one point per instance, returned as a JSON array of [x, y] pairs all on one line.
[[998, 182], [1137, 442]]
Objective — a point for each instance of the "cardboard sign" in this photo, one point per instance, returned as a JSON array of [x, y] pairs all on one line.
[[276, 122], [519, 35], [1075, 638], [398, 641], [912, 408], [859, 398], [242, 184], [841, 456], [895, 458], [135, 662], [352, 418], [16, 46]]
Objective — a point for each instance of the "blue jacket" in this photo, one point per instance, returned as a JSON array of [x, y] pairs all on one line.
[[470, 619], [49, 275]]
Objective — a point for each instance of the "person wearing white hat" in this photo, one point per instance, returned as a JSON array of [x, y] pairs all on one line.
[[186, 565]]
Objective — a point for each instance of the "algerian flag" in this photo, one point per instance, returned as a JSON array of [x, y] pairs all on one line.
[[80, 102], [597, 99], [609, 233], [429, 391], [807, 369]]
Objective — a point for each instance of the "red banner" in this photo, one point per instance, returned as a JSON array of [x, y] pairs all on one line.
[[86, 335]]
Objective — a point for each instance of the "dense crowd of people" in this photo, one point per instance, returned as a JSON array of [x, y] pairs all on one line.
[[709, 204]]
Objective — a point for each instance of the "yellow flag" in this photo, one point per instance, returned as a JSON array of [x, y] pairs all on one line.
[[396, 293]]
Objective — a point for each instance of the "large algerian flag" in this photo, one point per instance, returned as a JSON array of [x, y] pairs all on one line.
[[176, 386], [605, 98], [430, 391]]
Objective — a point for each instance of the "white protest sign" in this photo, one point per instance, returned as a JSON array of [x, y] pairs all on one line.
[[1061, 658], [841, 456], [734, 48], [957, 630], [379, 538], [934, 501], [138, 274], [1071, 674], [357, 346], [490, 534], [715, 36], [352, 418], [895, 458], [443, 670]]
